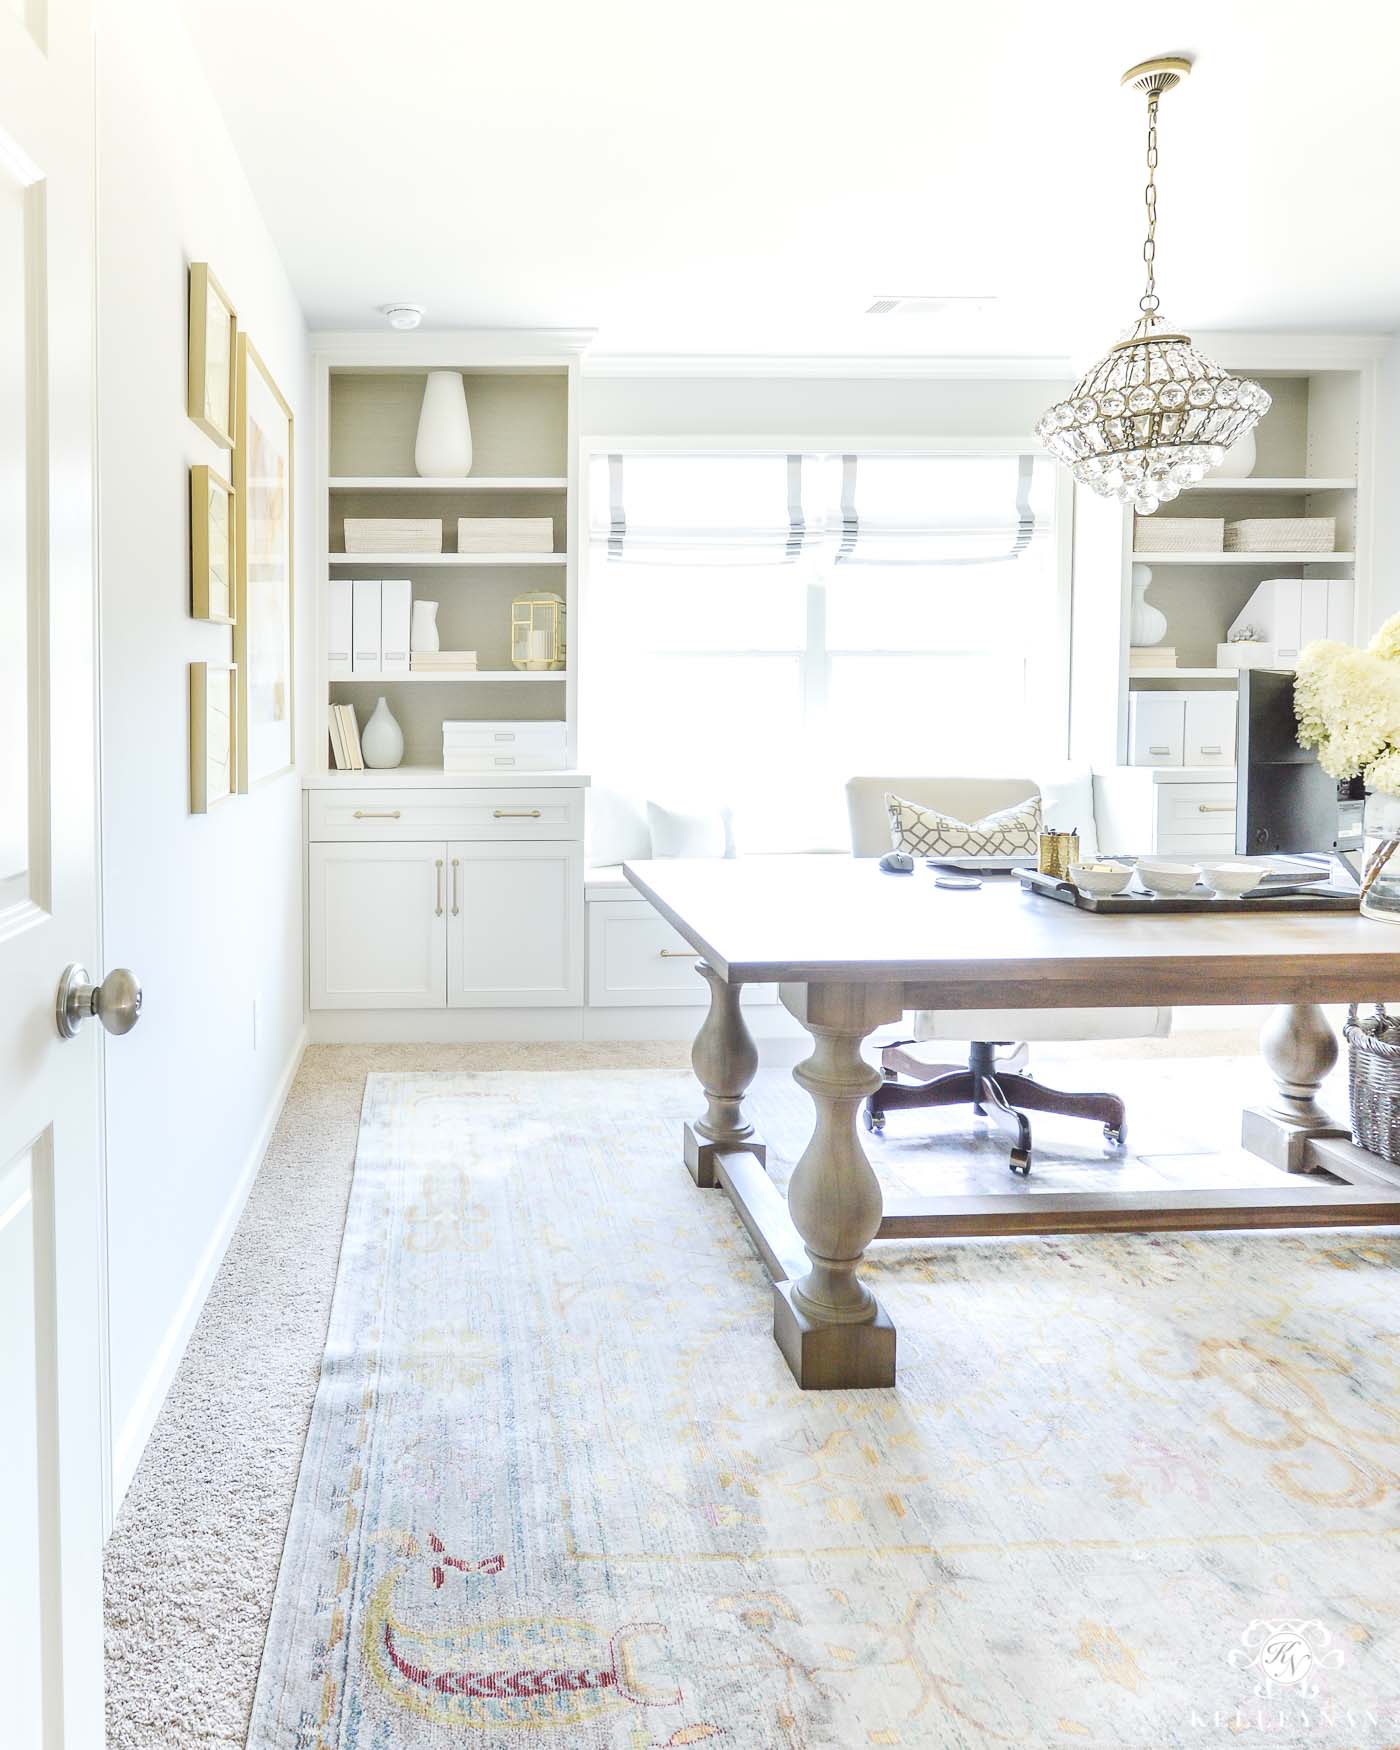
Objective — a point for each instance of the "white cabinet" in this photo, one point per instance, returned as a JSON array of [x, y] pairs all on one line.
[[637, 960], [378, 926], [1187, 813], [515, 925]]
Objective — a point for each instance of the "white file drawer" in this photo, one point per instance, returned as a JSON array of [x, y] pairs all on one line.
[[635, 959], [1156, 729], [1197, 819], [1210, 729], [504, 813], [486, 747]]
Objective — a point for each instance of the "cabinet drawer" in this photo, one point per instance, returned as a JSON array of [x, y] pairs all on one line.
[[635, 959], [1196, 812], [505, 813]]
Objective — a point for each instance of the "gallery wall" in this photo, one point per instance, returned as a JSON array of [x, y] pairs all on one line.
[[205, 909]]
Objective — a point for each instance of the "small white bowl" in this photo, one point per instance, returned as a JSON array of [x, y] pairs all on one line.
[[1101, 882], [1172, 879], [1230, 880]]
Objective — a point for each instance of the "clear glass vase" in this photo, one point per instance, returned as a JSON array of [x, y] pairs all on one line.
[[1380, 865]]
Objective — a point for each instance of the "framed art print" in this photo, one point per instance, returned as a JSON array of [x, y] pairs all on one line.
[[212, 356], [213, 542], [213, 734], [264, 598]]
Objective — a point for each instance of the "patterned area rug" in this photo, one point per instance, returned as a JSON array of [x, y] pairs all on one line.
[[560, 1489]]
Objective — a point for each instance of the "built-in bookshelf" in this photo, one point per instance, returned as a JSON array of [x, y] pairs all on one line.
[[521, 398], [1313, 460]]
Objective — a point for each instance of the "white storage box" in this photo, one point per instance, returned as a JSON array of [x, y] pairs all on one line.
[[1210, 728], [505, 534], [1246, 653], [503, 747], [1156, 729], [1282, 534], [1178, 534], [414, 534]]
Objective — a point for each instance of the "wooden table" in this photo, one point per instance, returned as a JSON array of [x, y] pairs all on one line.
[[852, 948]]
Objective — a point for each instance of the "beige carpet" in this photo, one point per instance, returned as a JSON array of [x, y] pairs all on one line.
[[192, 1565]]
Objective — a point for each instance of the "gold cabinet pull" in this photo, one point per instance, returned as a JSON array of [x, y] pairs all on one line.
[[376, 814], [677, 953], [515, 813], [456, 878], [437, 864]]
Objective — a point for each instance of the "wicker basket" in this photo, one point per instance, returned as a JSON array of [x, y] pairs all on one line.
[[1282, 534], [1374, 1045], [1178, 534]]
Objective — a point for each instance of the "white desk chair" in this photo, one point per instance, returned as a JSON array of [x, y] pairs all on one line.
[[991, 1087]]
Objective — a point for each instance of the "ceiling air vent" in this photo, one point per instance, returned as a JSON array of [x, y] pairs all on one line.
[[921, 304]]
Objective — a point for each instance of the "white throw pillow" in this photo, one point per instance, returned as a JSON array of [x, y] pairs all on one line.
[[675, 833], [1011, 834]]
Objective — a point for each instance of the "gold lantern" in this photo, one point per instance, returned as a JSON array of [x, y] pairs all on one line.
[[537, 631]]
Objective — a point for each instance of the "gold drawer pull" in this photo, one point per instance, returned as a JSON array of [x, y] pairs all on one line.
[[437, 909], [1216, 807], [376, 814], [678, 953], [515, 813], [456, 880]]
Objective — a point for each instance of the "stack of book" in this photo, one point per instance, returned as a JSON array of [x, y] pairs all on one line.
[[443, 661], [345, 739], [1151, 656]]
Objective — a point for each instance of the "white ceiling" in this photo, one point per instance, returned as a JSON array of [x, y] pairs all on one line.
[[744, 176]]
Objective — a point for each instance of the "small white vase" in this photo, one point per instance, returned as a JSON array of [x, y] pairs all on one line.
[[425, 630], [444, 445], [1239, 460], [381, 739], [1148, 624]]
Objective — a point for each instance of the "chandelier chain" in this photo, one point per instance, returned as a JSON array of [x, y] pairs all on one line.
[[1149, 301]]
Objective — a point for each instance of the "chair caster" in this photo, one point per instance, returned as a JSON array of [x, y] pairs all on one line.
[[1020, 1162], [1117, 1134], [874, 1121]]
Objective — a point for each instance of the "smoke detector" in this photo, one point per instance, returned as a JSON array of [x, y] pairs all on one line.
[[402, 315], [925, 304]]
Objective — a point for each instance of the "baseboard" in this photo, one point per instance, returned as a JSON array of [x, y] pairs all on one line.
[[130, 1442]]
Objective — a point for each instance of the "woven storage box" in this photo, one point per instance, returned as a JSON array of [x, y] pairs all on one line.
[[1178, 534], [505, 534], [416, 534], [1282, 534], [1374, 1045]]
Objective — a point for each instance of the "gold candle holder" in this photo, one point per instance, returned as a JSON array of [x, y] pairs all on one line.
[[1058, 850]]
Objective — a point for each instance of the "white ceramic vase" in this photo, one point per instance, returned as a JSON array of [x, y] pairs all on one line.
[[1239, 460], [1148, 624], [381, 739], [425, 631], [444, 445]]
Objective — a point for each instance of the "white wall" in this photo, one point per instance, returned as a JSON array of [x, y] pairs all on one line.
[[206, 910], [1385, 567]]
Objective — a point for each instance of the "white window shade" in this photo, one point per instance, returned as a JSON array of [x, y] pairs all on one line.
[[759, 628]]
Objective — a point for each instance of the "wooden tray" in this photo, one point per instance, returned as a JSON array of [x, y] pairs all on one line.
[[1053, 887]]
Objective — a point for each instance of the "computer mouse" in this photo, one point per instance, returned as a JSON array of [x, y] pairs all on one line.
[[897, 863]]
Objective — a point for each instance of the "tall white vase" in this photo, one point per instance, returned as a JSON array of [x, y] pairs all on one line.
[[1148, 624], [425, 628], [1239, 460], [381, 739], [444, 445]]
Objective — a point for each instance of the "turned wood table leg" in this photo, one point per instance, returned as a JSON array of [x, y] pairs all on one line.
[[831, 1329], [1299, 1047], [725, 1060]]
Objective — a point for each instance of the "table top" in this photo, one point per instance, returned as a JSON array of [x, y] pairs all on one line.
[[817, 919]]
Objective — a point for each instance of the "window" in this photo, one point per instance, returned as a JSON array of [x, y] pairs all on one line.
[[758, 628]]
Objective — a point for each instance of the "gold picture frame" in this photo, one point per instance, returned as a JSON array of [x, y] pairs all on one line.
[[213, 356], [213, 734], [264, 613], [213, 546]]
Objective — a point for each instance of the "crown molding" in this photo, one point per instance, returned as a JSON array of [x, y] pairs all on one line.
[[1254, 351], [827, 365], [444, 345]]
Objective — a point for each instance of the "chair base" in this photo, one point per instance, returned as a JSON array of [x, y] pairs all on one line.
[[999, 1095]]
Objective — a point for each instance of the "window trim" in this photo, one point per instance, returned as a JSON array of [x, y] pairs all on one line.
[[1050, 681]]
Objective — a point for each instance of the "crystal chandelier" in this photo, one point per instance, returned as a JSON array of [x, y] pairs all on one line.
[[1154, 415]]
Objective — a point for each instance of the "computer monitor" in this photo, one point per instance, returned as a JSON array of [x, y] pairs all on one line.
[[1285, 803]]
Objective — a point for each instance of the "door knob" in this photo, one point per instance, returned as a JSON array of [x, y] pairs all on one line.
[[116, 1001]]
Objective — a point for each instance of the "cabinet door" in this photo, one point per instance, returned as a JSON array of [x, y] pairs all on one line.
[[378, 926], [515, 925]]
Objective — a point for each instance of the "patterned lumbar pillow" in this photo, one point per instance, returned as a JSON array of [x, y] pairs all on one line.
[[1011, 833]]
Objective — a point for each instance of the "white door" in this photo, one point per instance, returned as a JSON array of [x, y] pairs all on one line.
[[515, 926], [52, 1435], [378, 926]]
